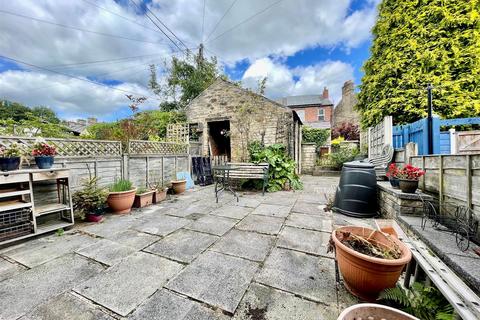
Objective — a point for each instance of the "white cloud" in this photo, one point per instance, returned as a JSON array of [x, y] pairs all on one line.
[[282, 81]]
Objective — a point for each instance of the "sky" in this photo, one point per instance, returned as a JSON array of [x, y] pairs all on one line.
[[82, 57]]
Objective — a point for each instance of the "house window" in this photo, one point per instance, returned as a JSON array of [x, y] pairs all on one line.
[[321, 114]]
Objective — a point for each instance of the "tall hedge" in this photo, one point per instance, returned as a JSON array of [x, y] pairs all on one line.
[[416, 42]]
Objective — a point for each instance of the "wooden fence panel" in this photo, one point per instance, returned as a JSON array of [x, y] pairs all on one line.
[[468, 142]]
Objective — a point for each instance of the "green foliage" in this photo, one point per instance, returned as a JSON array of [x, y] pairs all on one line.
[[426, 303], [317, 136], [418, 42], [141, 190], [338, 157], [121, 185], [281, 174], [336, 142], [11, 152], [91, 198], [45, 114], [60, 232], [13, 110]]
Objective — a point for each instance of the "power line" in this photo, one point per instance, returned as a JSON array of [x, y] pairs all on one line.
[[221, 19], [75, 28], [203, 21], [120, 16], [72, 76], [246, 20], [67, 65]]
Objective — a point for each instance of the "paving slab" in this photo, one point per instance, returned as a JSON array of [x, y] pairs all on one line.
[[309, 241], [308, 221], [161, 225], [134, 239], [261, 224], [234, 212], [166, 305], [196, 207], [261, 302], [182, 245], [299, 273], [216, 279], [9, 269], [67, 306], [124, 286], [280, 198], [212, 224], [38, 251], [308, 208], [111, 224], [272, 210], [244, 244], [33, 287], [106, 251], [246, 201]]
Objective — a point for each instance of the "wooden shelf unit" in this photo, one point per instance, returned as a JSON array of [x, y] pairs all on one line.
[[17, 192]]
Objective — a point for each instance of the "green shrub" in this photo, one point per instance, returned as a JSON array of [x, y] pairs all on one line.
[[317, 136], [90, 199], [281, 174], [337, 158], [121, 185]]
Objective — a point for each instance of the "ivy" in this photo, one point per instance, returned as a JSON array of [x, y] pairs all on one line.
[[317, 136], [416, 42]]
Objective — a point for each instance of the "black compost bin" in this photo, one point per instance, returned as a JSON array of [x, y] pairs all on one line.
[[356, 193]]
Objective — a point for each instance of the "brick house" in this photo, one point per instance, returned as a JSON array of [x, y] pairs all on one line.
[[216, 114], [314, 110]]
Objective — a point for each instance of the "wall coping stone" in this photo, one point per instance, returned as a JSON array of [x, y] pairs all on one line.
[[386, 187]]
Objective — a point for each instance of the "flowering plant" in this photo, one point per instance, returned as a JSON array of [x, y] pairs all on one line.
[[43, 149], [410, 172], [10, 152], [393, 171]]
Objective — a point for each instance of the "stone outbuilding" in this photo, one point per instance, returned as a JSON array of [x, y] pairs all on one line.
[[345, 109], [225, 117]]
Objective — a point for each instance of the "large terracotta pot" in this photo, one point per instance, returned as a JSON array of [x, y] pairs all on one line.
[[366, 276], [375, 311], [179, 186], [121, 202]]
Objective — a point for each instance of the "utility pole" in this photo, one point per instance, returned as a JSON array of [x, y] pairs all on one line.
[[200, 55], [430, 118]]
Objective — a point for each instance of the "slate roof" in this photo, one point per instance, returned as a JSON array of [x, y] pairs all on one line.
[[305, 100]]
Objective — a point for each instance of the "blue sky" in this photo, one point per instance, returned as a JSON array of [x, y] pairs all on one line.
[[300, 46]]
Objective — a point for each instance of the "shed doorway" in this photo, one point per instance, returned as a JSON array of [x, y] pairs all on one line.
[[219, 141]]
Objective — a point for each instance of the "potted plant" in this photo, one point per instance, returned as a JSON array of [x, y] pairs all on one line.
[[44, 154], [160, 192], [369, 260], [408, 177], [374, 311], [179, 186], [143, 197], [392, 175], [121, 196], [10, 157], [90, 201]]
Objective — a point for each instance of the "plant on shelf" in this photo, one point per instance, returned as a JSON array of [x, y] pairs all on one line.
[[121, 196], [424, 302], [10, 157], [90, 201], [43, 153], [143, 197], [408, 177], [392, 175]]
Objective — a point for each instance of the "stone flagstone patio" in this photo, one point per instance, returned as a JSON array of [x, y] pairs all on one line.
[[261, 258]]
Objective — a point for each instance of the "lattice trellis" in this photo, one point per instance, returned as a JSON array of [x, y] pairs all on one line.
[[178, 132], [69, 147], [155, 147]]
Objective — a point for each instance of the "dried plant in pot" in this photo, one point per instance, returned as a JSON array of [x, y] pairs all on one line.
[[408, 177], [143, 197], [160, 192], [44, 154], [369, 260], [121, 196], [10, 157], [90, 201]]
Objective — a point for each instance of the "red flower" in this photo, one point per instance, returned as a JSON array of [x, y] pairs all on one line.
[[43, 149], [410, 172], [392, 170]]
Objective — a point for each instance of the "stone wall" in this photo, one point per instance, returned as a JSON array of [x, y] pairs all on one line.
[[344, 111], [393, 202], [309, 157], [223, 100]]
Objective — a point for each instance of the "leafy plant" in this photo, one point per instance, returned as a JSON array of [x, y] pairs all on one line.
[[338, 157], [410, 172], [424, 302], [347, 130], [60, 232], [281, 173], [10, 152], [317, 136], [142, 190], [42, 148], [121, 186], [91, 198]]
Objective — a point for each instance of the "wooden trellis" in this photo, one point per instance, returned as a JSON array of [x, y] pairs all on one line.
[[69, 147], [138, 147], [178, 132]]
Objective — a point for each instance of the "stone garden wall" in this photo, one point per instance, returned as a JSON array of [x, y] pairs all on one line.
[[309, 157]]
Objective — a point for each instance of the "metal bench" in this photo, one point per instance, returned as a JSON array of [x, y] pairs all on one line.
[[382, 161], [247, 170]]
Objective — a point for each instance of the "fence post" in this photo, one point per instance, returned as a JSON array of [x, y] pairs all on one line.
[[369, 142], [147, 168], [440, 182], [453, 141], [469, 186], [388, 131]]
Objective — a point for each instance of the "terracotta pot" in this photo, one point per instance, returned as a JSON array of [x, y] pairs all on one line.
[[179, 186], [375, 311], [366, 276], [159, 195], [121, 202], [408, 186], [144, 199]]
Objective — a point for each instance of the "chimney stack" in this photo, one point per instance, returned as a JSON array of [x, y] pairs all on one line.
[[325, 93]]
